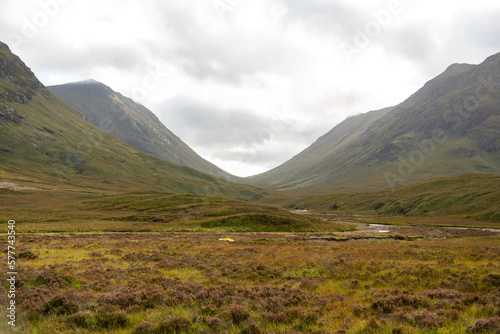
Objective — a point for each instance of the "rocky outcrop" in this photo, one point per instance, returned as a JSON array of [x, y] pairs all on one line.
[[7, 114], [21, 84]]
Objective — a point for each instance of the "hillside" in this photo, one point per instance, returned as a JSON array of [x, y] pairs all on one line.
[[472, 196], [45, 143], [302, 170], [132, 123], [451, 126]]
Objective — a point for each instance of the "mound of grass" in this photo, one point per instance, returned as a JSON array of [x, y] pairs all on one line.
[[260, 223]]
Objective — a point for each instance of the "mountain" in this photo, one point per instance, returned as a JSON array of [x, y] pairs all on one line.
[[305, 168], [45, 143], [451, 126], [132, 123]]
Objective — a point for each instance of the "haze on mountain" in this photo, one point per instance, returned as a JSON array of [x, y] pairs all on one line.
[[133, 123], [449, 127], [46, 143]]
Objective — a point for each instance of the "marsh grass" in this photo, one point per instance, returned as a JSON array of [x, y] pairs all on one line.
[[152, 262], [264, 282]]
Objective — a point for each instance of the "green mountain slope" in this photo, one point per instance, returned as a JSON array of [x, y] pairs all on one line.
[[451, 126], [475, 196], [132, 123], [305, 168], [48, 144]]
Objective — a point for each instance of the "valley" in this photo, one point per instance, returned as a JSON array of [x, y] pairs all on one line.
[[130, 231], [156, 262]]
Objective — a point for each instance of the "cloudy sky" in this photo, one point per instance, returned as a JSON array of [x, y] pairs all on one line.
[[250, 83]]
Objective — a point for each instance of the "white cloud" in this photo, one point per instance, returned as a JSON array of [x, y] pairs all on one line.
[[219, 73]]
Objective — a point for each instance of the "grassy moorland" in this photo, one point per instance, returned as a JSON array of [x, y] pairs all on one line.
[[69, 211], [178, 282], [153, 262]]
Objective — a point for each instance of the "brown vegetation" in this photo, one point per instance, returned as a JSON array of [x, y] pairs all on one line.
[[262, 283]]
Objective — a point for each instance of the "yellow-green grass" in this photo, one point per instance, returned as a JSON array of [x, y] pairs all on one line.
[[57, 211], [263, 282]]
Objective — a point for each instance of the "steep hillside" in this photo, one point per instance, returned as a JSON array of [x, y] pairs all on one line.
[[302, 170], [449, 127], [45, 143], [132, 123]]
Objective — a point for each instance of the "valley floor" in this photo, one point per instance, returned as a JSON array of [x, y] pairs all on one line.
[[412, 279]]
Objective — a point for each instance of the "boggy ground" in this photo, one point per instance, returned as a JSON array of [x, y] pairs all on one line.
[[414, 280]]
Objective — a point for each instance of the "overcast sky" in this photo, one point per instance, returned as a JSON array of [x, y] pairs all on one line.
[[248, 84]]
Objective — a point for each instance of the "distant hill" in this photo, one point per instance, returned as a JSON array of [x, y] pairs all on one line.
[[451, 126], [132, 123], [46, 143]]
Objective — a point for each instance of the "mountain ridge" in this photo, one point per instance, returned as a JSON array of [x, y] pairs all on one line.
[[133, 123], [45, 143], [457, 111]]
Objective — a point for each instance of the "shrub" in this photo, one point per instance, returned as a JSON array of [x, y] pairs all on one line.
[[123, 298], [354, 284], [152, 298], [484, 326], [214, 324], [275, 318], [59, 305], [48, 278], [450, 314], [28, 255], [81, 319], [143, 328], [112, 320], [250, 328], [492, 279], [426, 319], [238, 314], [389, 304]]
